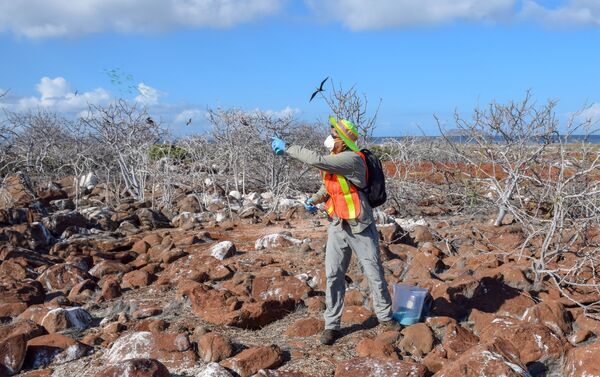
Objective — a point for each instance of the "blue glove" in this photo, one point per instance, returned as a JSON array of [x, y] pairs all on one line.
[[278, 145], [310, 207]]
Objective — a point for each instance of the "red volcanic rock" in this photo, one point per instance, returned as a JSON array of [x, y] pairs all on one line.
[[279, 288], [195, 267], [153, 239], [221, 307], [417, 340], [140, 247], [276, 373], [146, 311], [422, 234], [583, 361], [189, 204], [376, 349], [585, 327], [356, 315], [436, 359], [305, 327], [392, 233], [489, 295], [534, 342], [251, 360], [16, 296], [11, 270], [35, 313], [12, 354], [54, 348], [480, 320], [170, 256], [83, 291], [28, 329], [62, 277], [422, 265], [150, 219], [511, 275], [497, 357], [111, 288], [551, 314], [16, 191], [354, 297], [214, 347], [458, 340], [173, 350], [365, 366], [56, 319], [315, 304], [136, 368], [59, 221], [137, 279], [60, 319], [109, 267]]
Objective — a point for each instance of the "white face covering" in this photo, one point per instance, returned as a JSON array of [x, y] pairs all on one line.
[[329, 143]]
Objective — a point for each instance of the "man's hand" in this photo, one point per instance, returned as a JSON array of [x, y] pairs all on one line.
[[278, 145], [310, 207]]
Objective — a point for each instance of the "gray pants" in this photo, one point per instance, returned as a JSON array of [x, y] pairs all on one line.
[[340, 243]]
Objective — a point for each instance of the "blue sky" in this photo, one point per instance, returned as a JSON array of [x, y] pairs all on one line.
[[184, 56]]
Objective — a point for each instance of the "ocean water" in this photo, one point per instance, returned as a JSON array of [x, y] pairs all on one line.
[[573, 139]]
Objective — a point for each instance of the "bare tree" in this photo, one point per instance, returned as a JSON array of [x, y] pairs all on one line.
[[503, 142], [41, 143], [126, 134], [243, 145], [560, 213], [349, 104]]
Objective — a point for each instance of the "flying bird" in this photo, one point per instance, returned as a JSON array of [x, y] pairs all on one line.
[[76, 92], [318, 90], [188, 122]]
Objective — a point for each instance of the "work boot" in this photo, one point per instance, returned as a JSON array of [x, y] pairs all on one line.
[[389, 325], [328, 337]]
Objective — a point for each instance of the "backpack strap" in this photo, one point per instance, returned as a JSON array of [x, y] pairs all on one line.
[[362, 155]]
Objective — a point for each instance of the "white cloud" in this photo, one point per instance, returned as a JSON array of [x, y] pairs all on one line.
[[57, 94], [53, 88], [360, 14], [590, 113], [283, 113], [188, 114], [52, 18], [573, 12], [148, 95]]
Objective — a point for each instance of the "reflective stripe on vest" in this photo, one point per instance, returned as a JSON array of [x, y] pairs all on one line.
[[347, 196], [343, 197]]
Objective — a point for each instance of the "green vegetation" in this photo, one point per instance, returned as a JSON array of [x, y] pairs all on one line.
[[173, 152]]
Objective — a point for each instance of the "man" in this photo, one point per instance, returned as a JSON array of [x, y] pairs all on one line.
[[352, 225]]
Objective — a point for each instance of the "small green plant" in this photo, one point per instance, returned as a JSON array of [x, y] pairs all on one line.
[[383, 152], [160, 151]]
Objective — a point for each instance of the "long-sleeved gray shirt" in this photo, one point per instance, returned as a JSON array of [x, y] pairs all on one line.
[[347, 164]]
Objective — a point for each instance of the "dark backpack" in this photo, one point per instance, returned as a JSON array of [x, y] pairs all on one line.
[[375, 189]]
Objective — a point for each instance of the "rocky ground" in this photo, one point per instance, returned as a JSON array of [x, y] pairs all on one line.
[[222, 286]]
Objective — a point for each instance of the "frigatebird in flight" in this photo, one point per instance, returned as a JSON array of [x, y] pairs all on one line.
[[318, 90]]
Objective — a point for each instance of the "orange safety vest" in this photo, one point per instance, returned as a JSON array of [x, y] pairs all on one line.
[[343, 196]]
